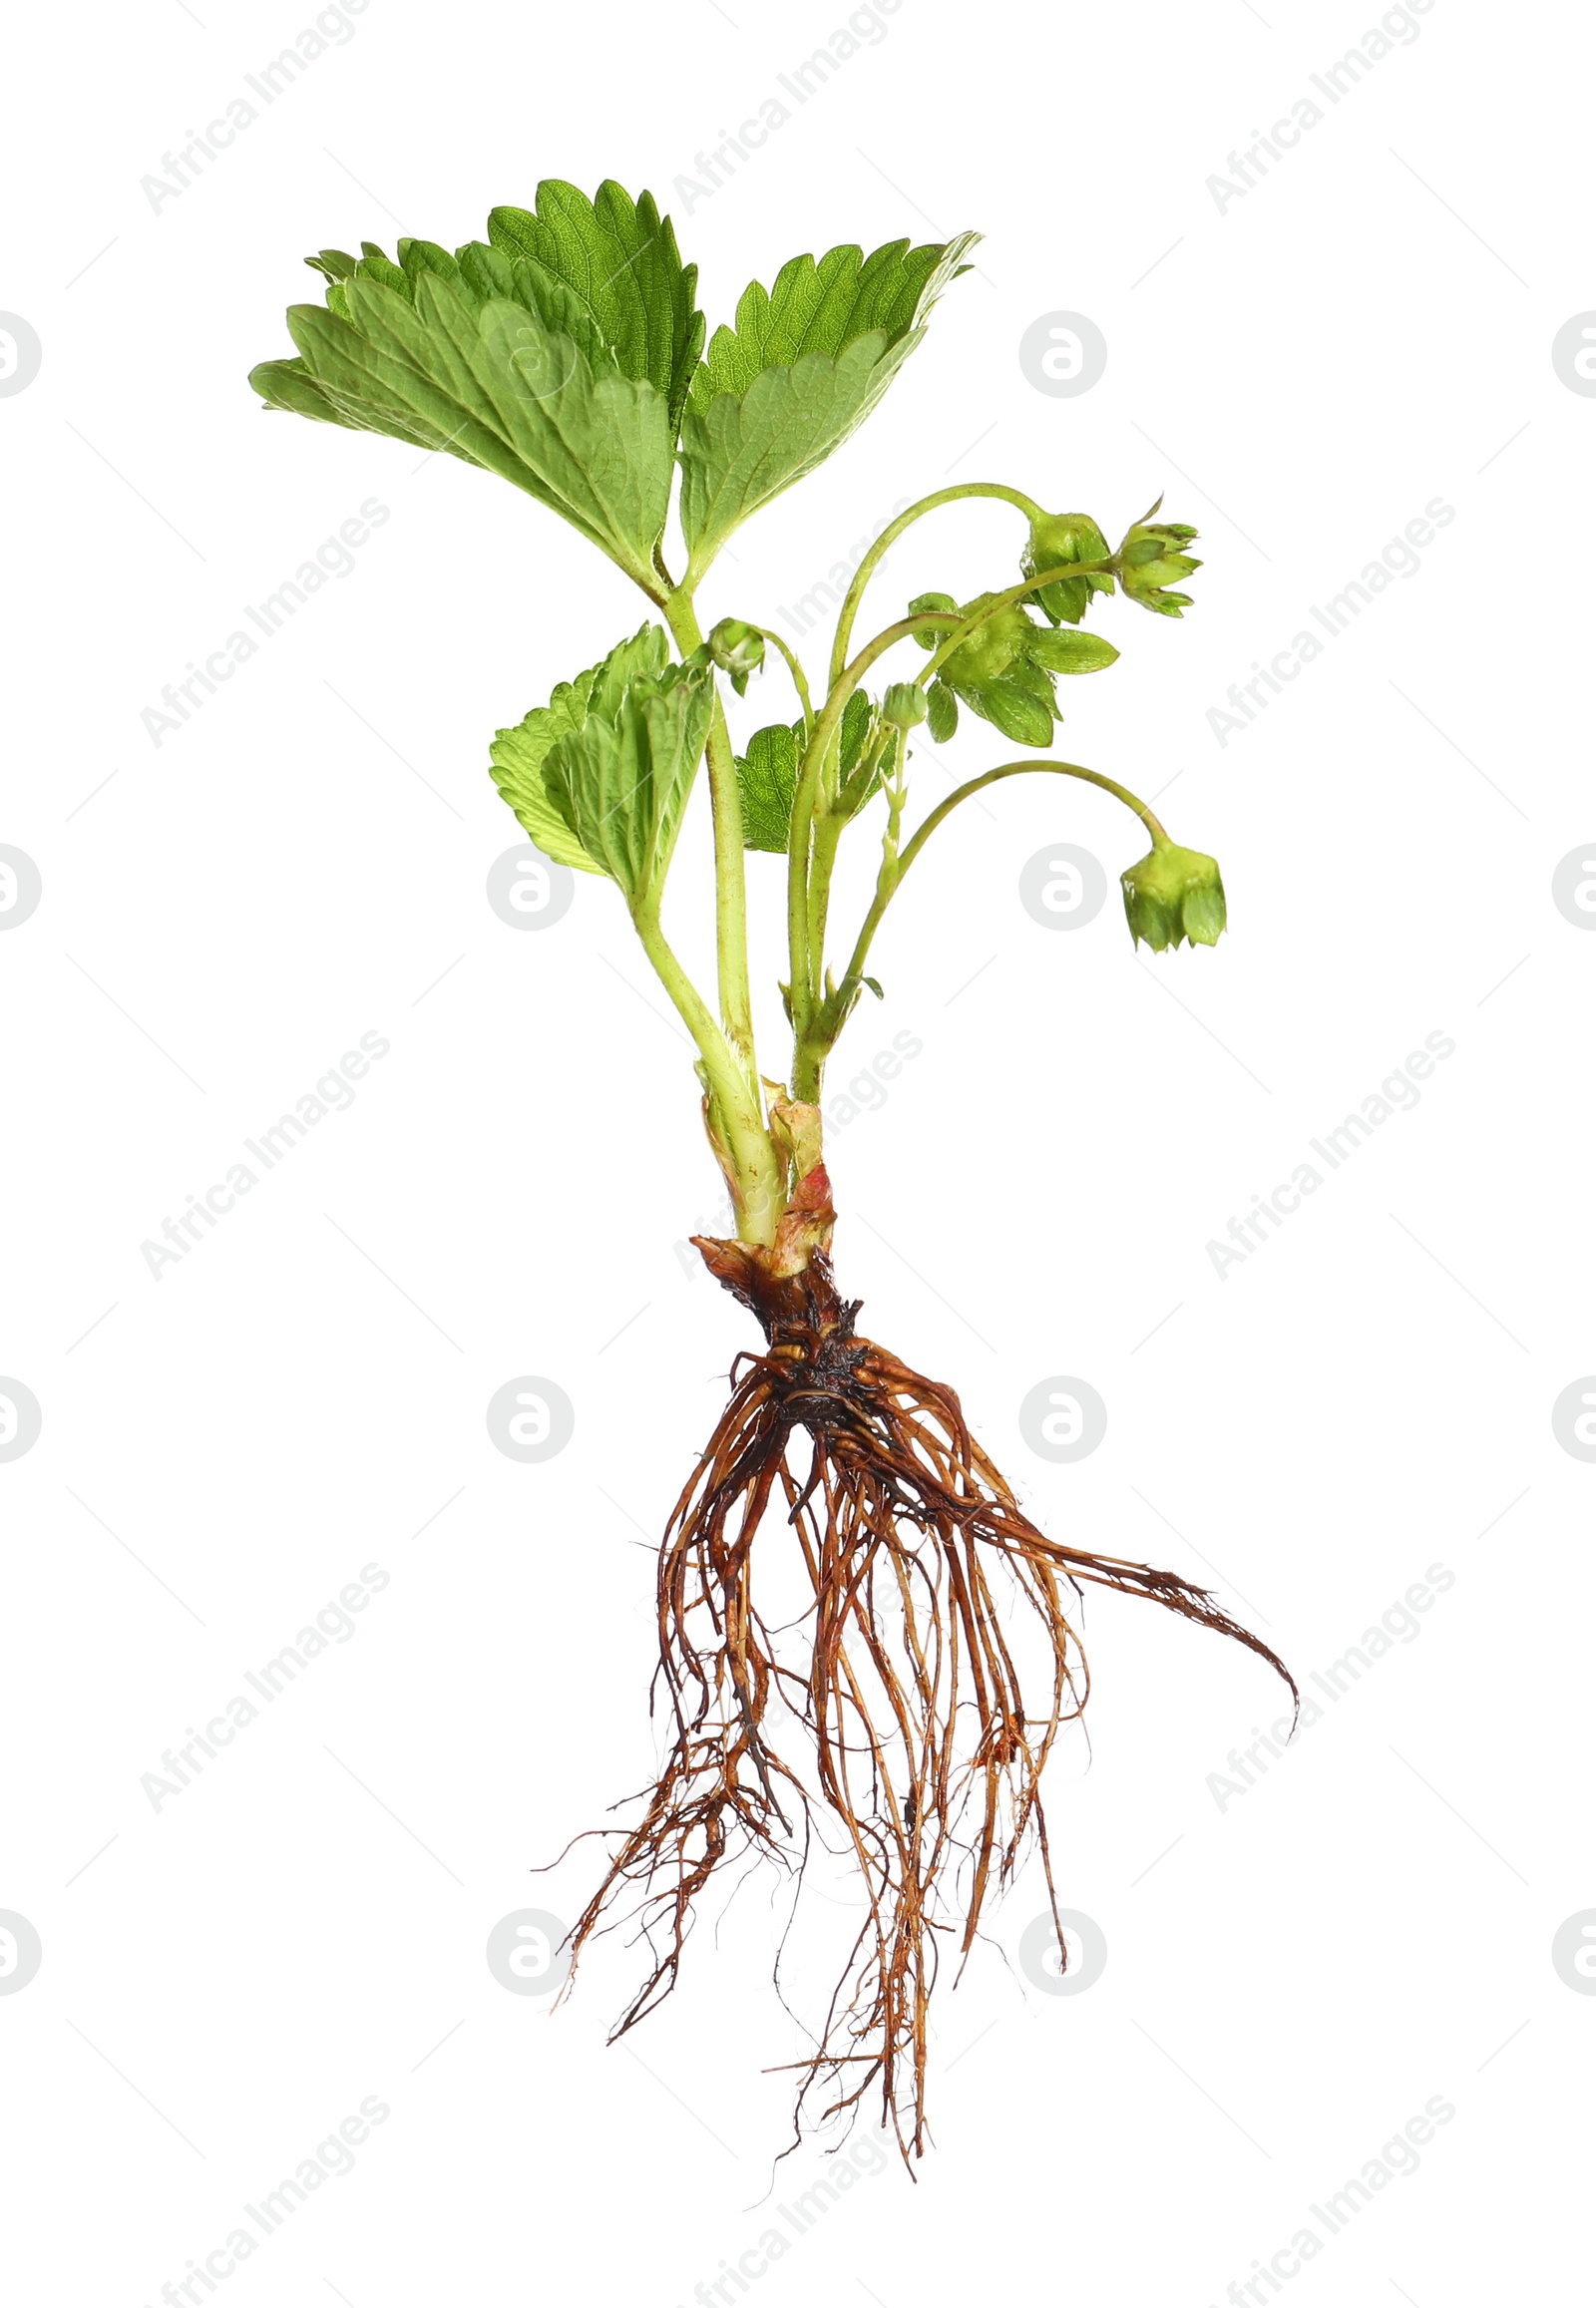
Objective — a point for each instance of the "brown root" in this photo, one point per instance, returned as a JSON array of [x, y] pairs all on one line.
[[886, 1717]]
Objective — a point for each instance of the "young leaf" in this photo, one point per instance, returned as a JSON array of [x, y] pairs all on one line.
[[805, 366], [767, 774], [856, 719], [768, 777], [622, 779], [619, 256], [519, 755]]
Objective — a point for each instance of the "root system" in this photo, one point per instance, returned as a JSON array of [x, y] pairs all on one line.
[[886, 1718]]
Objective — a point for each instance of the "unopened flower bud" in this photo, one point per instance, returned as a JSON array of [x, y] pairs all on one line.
[[904, 705], [1174, 894], [738, 650], [1055, 539]]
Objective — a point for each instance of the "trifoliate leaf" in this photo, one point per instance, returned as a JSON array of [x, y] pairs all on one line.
[[622, 779], [768, 775], [776, 397], [619, 256], [519, 755]]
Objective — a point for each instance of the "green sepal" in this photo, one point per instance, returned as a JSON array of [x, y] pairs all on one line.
[[1055, 539], [1152, 558], [1174, 894], [1072, 653], [1014, 709], [942, 713]]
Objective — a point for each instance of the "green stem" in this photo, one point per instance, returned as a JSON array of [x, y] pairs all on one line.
[[890, 536], [800, 680], [735, 1110], [731, 896], [804, 961], [829, 1020], [1018, 769], [1006, 600]]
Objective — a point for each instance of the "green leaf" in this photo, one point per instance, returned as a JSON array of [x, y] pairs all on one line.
[[942, 713], [768, 777], [1070, 652], [767, 774], [332, 264], [822, 307], [619, 257], [622, 779], [493, 384], [857, 716], [519, 755], [805, 366]]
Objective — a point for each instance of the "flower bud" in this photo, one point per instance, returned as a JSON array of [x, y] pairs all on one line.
[[738, 650], [1055, 539], [926, 604], [992, 649], [1152, 558], [1174, 894], [904, 705]]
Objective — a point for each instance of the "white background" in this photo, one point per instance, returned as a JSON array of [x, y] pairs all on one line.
[[1291, 1977]]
